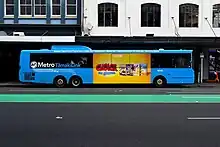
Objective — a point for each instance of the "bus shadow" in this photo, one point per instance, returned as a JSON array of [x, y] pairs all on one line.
[[129, 86], [95, 86]]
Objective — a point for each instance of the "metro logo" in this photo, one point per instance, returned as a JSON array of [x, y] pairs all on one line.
[[45, 65], [106, 67]]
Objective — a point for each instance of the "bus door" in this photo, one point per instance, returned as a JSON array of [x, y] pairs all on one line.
[[181, 71], [174, 67]]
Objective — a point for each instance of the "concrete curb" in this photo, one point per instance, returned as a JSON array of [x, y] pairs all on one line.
[[208, 85], [202, 85]]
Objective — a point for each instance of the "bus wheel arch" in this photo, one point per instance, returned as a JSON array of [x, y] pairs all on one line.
[[160, 81], [60, 81], [75, 81]]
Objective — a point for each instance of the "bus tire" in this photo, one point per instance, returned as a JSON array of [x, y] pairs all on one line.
[[60, 81], [160, 81], [75, 81]]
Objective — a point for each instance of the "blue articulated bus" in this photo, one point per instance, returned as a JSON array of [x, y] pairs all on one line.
[[77, 65]]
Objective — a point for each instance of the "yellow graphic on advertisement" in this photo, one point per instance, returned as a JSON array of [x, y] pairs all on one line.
[[121, 68]]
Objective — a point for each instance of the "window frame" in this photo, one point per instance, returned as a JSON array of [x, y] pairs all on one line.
[[66, 6], [19, 9], [40, 5], [153, 6], [169, 60], [191, 5], [5, 9], [51, 8], [218, 21], [103, 5]]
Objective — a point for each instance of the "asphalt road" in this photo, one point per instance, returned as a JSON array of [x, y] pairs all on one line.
[[116, 90], [109, 125]]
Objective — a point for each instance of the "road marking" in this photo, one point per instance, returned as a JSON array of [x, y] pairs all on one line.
[[33, 90], [203, 118], [199, 92], [59, 117], [201, 97]]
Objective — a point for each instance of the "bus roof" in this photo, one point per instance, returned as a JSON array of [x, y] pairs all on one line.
[[84, 49], [70, 47], [109, 51]]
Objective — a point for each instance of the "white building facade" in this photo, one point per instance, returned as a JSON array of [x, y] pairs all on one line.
[[185, 18]]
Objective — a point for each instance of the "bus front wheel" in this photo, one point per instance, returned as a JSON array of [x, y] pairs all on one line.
[[160, 81], [60, 81], [75, 81]]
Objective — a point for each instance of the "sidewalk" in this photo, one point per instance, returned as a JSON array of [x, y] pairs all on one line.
[[13, 84], [206, 85], [10, 84]]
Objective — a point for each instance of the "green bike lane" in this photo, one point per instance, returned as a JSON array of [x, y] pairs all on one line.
[[70, 98]]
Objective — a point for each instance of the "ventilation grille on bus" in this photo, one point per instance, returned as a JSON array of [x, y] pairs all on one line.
[[29, 76]]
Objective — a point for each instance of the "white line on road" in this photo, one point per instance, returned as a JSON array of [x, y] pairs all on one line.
[[59, 117], [33, 90], [193, 92], [203, 118], [201, 97]]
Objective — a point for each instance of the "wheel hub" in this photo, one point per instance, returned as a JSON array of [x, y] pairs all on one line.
[[60, 81], [75, 82], [159, 82]]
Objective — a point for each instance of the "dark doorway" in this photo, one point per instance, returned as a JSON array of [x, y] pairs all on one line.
[[9, 59]]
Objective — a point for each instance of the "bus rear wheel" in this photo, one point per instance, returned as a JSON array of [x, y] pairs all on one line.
[[75, 81], [60, 81], [160, 81]]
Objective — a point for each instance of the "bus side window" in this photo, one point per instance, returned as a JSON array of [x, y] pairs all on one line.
[[155, 63], [161, 60], [182, 60]]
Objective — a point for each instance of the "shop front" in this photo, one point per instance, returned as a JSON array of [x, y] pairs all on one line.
[[213, 65]]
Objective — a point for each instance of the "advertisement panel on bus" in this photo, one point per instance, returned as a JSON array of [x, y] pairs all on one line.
[[121, 68]]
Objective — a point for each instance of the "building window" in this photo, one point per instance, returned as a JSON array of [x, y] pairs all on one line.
[[188, 15], [9, 4], [56, 7], [107, 15], [70, 7], [150, 15], [40, 7], [216, 16], [25, 7]]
